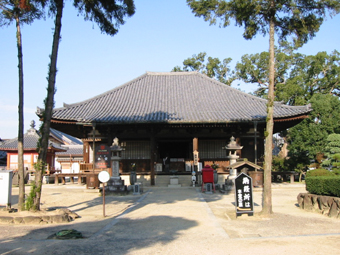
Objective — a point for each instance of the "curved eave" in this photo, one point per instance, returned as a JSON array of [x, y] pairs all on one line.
[[31, 149], [300, 117], [65, 122], [16, 149], [153, 122], [56, 149], [64, 154], [285, 119]]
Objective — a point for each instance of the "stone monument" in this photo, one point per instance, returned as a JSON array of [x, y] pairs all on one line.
[[116, 184]]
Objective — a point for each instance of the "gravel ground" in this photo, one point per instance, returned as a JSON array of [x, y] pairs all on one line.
[[174, 221]]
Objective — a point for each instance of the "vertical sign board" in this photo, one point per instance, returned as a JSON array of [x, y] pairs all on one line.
[[6, 188], [103, 156], [196, 158], [244, 195]]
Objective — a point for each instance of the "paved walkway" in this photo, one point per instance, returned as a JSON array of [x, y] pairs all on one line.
[[180, 221]]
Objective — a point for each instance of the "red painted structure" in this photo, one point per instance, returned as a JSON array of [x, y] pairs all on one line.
[[208, 176]]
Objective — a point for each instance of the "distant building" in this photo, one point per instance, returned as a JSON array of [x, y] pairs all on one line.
[[60, 144], [31, 138], [3, 157], [67, 161]]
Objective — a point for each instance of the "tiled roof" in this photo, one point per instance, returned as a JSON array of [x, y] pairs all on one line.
[[175, 97], [71, 150], [65, 138], [31, 138]]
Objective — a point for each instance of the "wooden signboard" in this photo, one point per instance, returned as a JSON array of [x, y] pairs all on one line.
[[244, 195], [103, 156], [196, 158]]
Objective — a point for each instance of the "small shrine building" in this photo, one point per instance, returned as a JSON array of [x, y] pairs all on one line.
[[31, 138]]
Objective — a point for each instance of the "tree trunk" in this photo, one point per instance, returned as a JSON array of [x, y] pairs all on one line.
[[49, 104], [267, 191], [21, 172]]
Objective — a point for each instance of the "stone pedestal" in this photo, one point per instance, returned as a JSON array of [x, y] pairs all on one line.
[[208, 188], [229, 183], [174, 183], [137, 188], [115, 185]]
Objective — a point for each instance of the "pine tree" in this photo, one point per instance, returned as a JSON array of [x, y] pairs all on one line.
[[299, 18], [109, 15], [22, 12]]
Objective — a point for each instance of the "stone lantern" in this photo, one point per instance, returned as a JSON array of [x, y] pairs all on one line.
[[232, 147], [116, 184], [116, 156]]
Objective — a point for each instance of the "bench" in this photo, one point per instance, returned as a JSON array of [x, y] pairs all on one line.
[[71, 176]]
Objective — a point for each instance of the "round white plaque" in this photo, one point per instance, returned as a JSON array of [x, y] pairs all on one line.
[[104, 176]]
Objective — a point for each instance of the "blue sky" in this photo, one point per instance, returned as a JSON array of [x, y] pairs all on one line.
[[158, 37]]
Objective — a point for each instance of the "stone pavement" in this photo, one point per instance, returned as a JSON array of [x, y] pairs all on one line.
[[175, 221]]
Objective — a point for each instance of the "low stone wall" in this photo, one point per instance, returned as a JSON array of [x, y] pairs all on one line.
[[59, 216], [325, 205]]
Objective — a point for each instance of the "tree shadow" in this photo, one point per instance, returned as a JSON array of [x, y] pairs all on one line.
[[116, 233], [122, 238]]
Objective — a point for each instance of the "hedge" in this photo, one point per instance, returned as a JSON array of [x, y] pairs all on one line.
[[319, 172], [323, 185]]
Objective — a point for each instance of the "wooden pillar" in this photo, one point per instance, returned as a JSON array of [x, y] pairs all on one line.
[[195, 149], [94, 146], [9, 160], [109, 136], [152, 157], [86, 151], [195, 144], [255, 141], [32, 161]]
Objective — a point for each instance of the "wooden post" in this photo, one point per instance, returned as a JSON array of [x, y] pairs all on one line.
[[79, 179], [94, 146], [195, 148], [103, 199], [255, 141], [152, 157], [86, 152]]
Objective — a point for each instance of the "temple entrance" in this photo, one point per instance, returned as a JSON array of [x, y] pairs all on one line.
[[174, 154]]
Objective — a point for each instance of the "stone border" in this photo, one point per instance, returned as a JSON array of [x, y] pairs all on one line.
[[325, 205], [59, 216]]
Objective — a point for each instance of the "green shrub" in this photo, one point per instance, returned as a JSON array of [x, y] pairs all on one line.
[[336, 171], [323, 185], [278, 164], [319, 172]]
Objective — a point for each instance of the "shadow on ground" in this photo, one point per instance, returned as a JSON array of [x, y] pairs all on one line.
[[123, 237]]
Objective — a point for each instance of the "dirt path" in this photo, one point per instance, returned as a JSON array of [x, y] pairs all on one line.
[[174, 221]]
